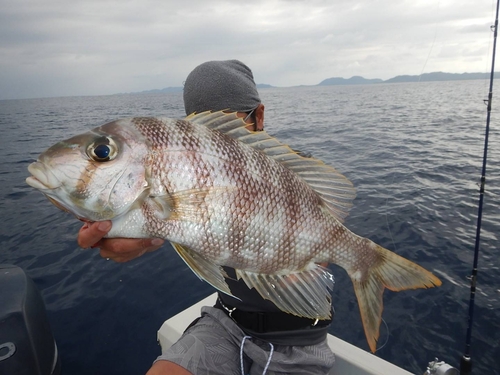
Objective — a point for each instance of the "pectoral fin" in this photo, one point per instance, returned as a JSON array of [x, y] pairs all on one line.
[[185, 205], [163, 206], [305, 293], [205, 270]]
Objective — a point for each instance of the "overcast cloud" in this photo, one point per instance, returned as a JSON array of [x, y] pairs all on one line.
[[93, 47]]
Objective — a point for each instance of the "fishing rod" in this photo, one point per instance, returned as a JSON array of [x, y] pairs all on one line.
[[466, 360], [442, 368]]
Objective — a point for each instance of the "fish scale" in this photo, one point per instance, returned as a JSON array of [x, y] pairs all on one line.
[[226, 196]]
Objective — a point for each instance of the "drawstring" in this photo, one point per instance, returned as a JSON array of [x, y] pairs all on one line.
[[241, 355], [269, 359]]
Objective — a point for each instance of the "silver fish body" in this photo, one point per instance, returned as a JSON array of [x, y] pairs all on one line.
[[225, 196]]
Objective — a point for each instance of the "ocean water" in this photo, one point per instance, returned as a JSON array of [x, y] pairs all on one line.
[[414, 153]]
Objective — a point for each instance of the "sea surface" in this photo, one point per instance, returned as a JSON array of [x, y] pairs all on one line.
[[414, 152]]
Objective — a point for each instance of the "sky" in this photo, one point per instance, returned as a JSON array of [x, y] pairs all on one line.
[[98, 47]]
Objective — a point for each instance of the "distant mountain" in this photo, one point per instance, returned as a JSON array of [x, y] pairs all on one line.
[[166, 89], [438, 76], [356, 80], [426, 77], [179, 89]]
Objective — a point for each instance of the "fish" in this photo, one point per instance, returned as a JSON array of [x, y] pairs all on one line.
[[225, 196]]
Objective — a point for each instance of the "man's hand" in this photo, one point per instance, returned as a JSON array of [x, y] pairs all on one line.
[[118, 249]]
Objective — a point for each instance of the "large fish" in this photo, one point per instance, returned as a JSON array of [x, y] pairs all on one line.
[[226, 196]]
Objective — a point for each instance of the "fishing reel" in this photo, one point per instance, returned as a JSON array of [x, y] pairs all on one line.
[[437, 367]]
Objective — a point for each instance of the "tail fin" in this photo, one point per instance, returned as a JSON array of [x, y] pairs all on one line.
[[389, 271]]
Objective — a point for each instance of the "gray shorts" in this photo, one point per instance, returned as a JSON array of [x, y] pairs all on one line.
[[215, 345]]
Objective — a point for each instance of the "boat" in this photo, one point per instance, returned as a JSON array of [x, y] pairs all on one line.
[[349, 359], [27, 346]]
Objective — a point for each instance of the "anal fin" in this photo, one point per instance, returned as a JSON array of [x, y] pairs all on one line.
[[304, 293]]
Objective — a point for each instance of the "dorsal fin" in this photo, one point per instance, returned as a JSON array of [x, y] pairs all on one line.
[[335, 190]]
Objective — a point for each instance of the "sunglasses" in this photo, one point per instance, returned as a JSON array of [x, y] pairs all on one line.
[[248, 115]]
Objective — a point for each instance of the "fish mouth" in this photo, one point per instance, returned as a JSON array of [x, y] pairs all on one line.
[[45, 181], [41, 178]]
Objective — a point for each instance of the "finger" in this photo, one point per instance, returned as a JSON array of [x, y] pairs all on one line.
[[126, 249], [90, 234]]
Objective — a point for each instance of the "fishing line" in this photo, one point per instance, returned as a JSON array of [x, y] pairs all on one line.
[[393, 176], [466, 361], [419, 78], [432, 46], [387, 336]]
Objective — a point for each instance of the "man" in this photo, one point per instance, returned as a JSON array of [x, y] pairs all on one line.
[[246, 336]]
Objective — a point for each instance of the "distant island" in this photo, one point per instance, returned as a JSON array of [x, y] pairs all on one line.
[[426, 77], [358, 80]]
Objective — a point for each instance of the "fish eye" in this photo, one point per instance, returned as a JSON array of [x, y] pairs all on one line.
[[102, 149]]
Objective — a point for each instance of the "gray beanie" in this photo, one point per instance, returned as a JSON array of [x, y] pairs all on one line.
[[219, 85]]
